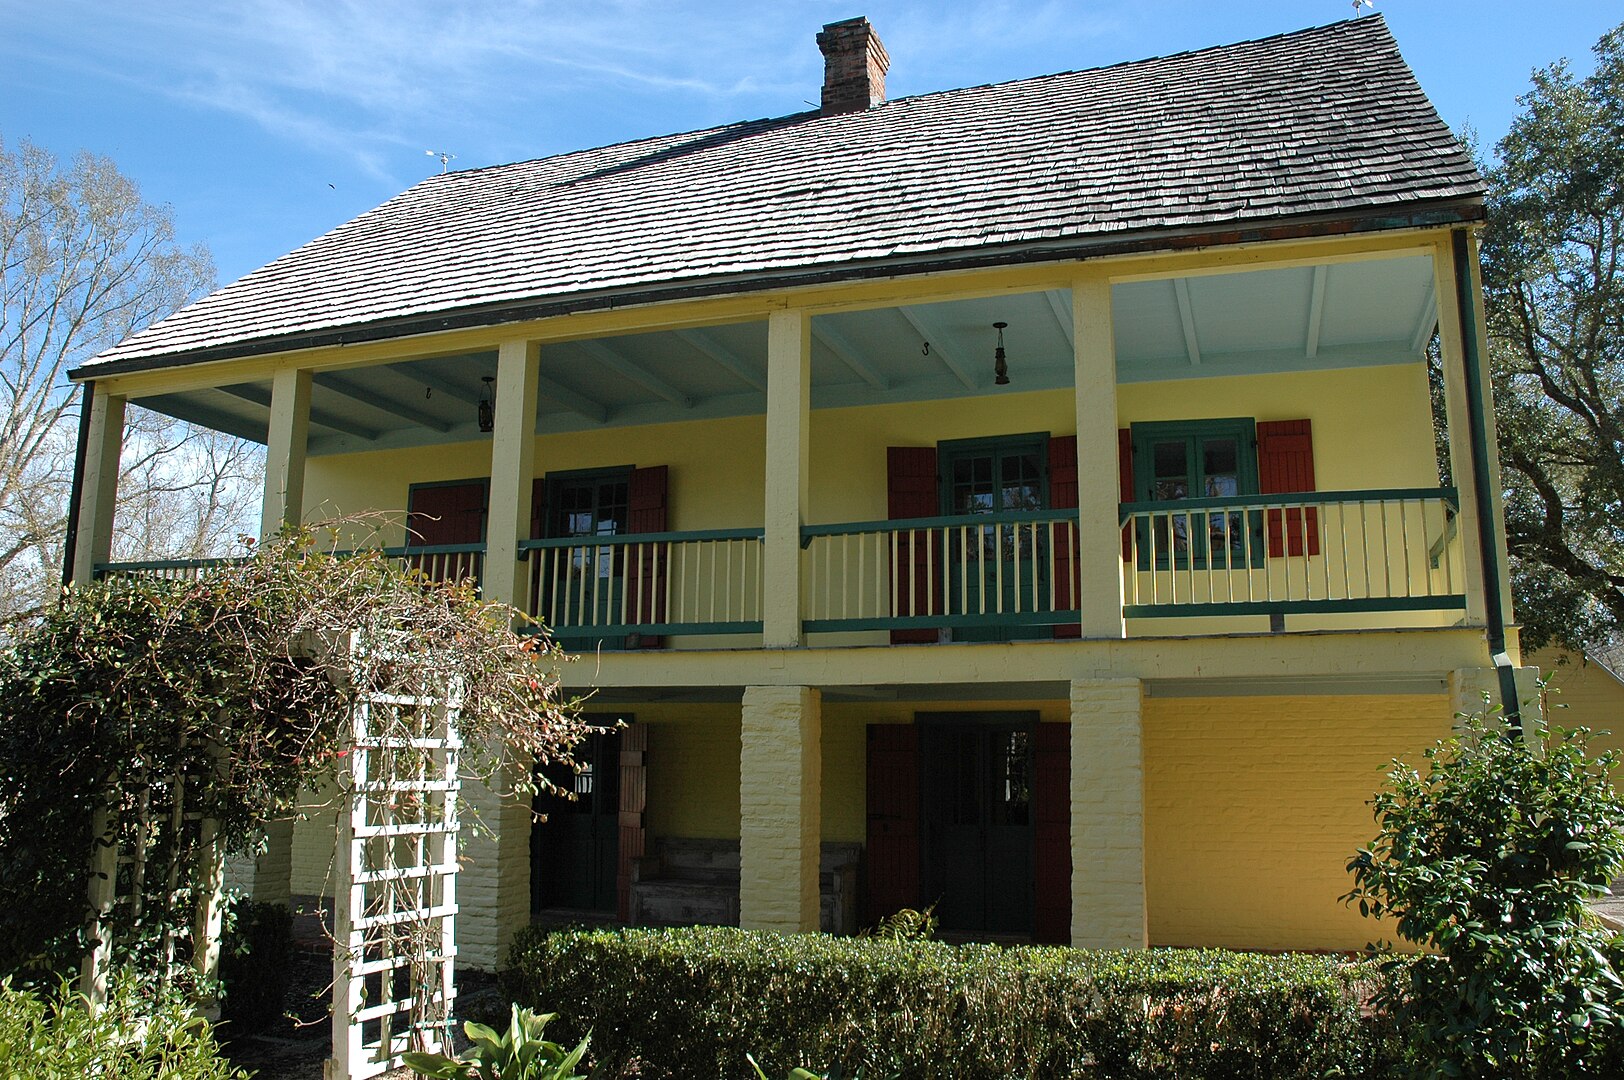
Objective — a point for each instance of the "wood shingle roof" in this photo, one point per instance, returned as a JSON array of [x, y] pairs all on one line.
[[1323, 121]]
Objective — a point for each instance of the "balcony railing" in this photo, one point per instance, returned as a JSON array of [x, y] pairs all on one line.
[[647, 583], [437, 562], [975, 570], [1329, 552], [1350, 552]]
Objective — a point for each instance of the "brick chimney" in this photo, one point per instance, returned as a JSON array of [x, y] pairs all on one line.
[[854, 66]]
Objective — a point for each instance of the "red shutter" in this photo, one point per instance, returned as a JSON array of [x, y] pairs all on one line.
[[1285, 466], [1051, 816], [446, 514], [633, 801], [1125, 483], [911, 493], [893, 820], [646, 513], [1063, 496]]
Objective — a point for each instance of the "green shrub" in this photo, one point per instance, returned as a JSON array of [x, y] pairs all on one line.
[[1488, 859], [256, 960], [690, 1002], [45, 1036]]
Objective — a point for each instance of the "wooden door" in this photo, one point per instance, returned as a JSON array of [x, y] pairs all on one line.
[[575, 851]]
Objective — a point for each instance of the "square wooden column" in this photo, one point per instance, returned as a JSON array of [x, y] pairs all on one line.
[[1452, 350], [93, 538], [789, 391], [513, 472], [1098, 491], [286, 441]]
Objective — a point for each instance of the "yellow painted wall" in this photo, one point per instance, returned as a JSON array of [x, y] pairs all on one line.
[[1253, 807], [693, 770], [1586, 695]]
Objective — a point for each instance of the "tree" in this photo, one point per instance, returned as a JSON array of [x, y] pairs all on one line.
[[84, 262], [1553, 278]]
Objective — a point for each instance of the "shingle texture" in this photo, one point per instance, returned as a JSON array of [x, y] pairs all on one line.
[[1323, 120]]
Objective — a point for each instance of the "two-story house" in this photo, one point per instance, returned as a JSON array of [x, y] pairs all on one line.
[[1020, 499]]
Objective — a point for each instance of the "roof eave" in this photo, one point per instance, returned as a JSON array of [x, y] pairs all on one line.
[[1424, 214]]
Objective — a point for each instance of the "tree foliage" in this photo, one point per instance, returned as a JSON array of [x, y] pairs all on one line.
[[1488, 858], [1553, 278], [221, 698], [85, 262]]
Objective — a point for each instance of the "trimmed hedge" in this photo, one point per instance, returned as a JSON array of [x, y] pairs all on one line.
[[691, 1002]]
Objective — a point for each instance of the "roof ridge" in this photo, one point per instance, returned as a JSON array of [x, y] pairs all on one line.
[[1375, 19]]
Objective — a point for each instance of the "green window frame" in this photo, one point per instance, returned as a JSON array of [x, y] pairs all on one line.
[[1196, 459]]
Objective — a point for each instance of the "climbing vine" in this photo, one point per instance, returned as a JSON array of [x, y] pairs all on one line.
[[172, 718]]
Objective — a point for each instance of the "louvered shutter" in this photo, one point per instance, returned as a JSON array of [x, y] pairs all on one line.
[[893, 821], [1285, 466], [1063, 496], [1051, 814], [646, 513], [633, 802], [911, 492]]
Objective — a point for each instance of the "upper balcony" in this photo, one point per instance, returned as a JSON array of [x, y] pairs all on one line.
[[1184, 445]]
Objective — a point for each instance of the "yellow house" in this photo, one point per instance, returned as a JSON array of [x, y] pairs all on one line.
[[1020, 499]]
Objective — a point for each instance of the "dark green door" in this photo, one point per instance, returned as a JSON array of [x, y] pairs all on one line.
[[1207, 459], [584, 589], [574, 852], [996, 569], [976, 781]]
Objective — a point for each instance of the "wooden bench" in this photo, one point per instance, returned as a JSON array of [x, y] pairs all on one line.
[[695, 882]]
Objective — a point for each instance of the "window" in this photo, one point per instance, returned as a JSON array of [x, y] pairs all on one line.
[[1197, 460], [997, 567]]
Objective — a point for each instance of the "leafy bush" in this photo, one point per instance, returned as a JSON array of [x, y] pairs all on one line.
[[692, 1001], [45, 1036], [256, 960], [521, 1053], [1488, 859]]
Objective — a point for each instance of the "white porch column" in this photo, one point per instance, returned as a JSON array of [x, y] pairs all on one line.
[[286, 441], [780, 803], [494, 885], [1098, 493], [1107, 815], [789, 388], [513, 471], [1451, 342], [98, 489]]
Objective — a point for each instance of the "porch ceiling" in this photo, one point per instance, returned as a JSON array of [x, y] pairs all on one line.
[[1254, 322]]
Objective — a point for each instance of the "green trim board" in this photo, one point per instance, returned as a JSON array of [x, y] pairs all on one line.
[[610, 539], [624, 629], [1448, 495], [1297, 607], [933, 622]]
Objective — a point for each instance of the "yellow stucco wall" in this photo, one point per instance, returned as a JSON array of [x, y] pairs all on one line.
[[1372, 428], [1253, 807], [1586, 695]]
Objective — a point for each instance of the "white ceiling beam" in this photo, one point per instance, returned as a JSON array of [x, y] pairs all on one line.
[[938, 349], [1062, 315], [374, 400], [183, 407], [1192, 344], [573, 400], [1429, 322], [847, 354], [1316, 311], [629, 369], [319, 417], [723, 357]]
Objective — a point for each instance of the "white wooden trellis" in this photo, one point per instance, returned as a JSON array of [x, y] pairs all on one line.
[[395, 900]]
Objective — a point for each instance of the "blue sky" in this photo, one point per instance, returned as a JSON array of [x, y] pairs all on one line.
[[264, 123]]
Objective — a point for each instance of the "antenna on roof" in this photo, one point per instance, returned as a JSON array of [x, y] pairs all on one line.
[[1358, 4], [446, 158]]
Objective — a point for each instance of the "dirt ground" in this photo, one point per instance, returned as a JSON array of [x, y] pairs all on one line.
[[298, 1048]]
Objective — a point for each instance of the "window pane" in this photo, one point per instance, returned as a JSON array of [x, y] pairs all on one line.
[[1220, 464]]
